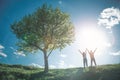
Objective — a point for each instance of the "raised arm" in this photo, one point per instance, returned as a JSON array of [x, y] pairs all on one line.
[[80, 51], [95, 50]]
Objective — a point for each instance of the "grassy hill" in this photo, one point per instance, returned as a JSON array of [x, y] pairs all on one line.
[[19, 72]]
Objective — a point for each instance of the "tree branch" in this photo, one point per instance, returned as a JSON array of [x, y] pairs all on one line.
[[51, 51], [37, 47]]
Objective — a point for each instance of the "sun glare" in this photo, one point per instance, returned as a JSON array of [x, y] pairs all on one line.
[[91, 38]]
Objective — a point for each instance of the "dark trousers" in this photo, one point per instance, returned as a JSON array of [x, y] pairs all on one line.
[[85, 62], [93, 60]]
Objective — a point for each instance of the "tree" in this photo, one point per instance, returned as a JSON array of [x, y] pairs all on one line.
[[46, 29]]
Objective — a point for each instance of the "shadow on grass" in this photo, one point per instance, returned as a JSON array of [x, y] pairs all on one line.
[[41, 76], [69, 74]]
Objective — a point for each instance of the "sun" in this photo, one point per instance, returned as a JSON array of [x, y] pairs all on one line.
[[91, 38]]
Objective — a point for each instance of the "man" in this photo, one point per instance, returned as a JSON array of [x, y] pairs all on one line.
[[84, 58], [91, 53]]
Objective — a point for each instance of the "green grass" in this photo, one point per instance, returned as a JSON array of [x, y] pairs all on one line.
[[19, 72]]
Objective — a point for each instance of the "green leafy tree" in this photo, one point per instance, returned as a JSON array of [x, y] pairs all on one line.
[[46, 29]]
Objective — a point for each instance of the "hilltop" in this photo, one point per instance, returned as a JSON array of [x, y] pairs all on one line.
[[19, 72]]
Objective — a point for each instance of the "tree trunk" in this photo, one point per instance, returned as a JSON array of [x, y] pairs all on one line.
[[45, 62]]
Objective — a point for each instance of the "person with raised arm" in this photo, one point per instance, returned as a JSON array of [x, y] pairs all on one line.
[[84, 58], [91, 53]]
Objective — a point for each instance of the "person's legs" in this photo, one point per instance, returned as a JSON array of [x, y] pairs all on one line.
[[91, 62], [95, 62], [84, 62]]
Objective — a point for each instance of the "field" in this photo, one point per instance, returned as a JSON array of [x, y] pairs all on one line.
[[19, 72]]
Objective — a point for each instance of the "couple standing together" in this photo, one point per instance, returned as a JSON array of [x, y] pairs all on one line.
[[91, 53]]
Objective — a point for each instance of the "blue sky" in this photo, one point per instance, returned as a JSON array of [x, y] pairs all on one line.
[[83, 13]]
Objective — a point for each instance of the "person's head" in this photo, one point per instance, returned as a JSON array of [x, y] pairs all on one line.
[[84, 53], [90, 50]]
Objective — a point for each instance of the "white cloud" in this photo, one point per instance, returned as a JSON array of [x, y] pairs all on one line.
[[52, 67], [20, 53], [12, 48], [71, 66], [36, 65], [115, 53], [61, 64], [16, 52], [1, 47], [109, 17], [3, 54], [60, 2], [63, 55], [108, 44]]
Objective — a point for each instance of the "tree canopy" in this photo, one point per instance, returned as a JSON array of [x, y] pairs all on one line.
[[46, 29]]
